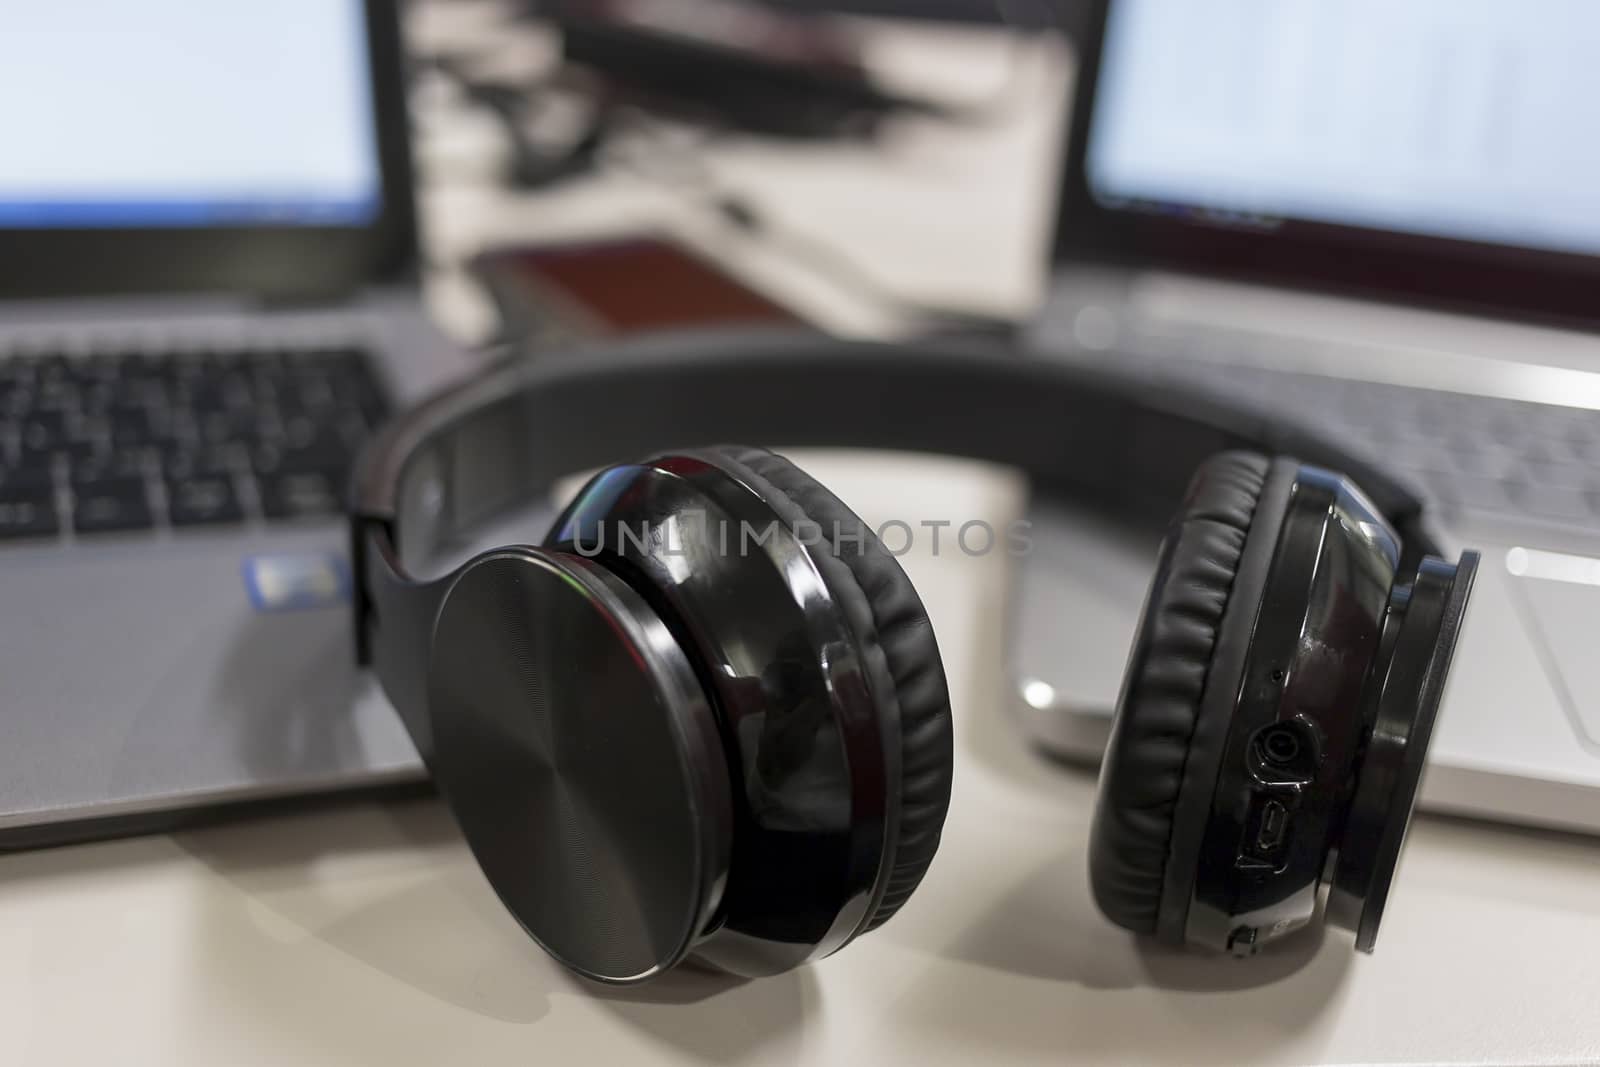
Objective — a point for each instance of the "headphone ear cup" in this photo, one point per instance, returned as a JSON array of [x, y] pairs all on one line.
[[889, 619], [1178, 692]]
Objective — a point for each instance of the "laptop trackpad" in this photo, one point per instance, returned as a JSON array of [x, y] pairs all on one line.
[[1560, 595]]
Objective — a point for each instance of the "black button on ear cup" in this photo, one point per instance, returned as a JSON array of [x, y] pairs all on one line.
[[1162, 740], [891, 623]]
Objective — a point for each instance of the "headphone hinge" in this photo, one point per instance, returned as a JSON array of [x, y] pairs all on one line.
[[362, 614]]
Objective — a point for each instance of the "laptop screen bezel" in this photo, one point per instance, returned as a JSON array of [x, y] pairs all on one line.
[[289, 261], [1375, 264]]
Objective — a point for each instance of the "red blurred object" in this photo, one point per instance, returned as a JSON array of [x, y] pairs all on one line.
[[618, 286]]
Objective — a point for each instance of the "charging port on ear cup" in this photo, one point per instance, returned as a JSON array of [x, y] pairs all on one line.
[[1284, 753], [1266, 832]]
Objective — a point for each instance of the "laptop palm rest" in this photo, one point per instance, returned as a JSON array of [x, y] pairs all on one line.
[[180, 682], [1559, 596]]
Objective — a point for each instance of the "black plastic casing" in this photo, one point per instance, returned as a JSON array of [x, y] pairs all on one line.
[[1335, 705], [815, 781]]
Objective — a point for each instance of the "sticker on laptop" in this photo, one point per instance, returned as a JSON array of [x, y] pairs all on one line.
[[296, 582]]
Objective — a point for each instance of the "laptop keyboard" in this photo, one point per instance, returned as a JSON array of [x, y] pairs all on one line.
[[139, 441], [1472, 455]]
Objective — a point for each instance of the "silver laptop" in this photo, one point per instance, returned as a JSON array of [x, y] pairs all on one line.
[[1383, 220], [207, 299]]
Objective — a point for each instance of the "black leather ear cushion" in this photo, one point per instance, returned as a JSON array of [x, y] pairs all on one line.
[[1159, 709], [898, 641]]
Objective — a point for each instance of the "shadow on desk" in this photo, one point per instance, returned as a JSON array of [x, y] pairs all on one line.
[[391, 888], [1050, 959], [1045, 927]]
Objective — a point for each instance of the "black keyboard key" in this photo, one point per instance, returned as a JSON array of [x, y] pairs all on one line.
[[337, 437], [174, 450], [28, 455], [16, 399], [313, 395], [239, 426], [27, 512], [36, 464], [119, 465], [84, 452], [106, 506], [300, 494], [202, 499], [322, 451], [105, 397], [194, 460], [30, 476], [237, 392], [53, 369], [43, 430], [132, 427], [205, 394], [57, 396]]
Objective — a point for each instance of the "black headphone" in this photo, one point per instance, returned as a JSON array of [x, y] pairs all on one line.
[[728, 735]]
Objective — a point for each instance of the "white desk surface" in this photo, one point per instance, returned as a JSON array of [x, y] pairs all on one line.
[[365, 935]]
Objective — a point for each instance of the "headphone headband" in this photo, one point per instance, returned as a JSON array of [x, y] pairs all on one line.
[[515, 429], [469, 453]]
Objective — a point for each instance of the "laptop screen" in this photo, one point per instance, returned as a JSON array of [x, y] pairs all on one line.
[[186, 113], [1471, 119], [1439, 148]]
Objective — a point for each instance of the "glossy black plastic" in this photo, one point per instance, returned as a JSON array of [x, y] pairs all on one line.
[[813, 803], [580, 756], [1340, 688], [1425, 623]]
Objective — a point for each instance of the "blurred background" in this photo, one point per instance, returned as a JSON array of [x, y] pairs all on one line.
[[706, 119]]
